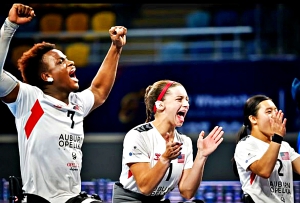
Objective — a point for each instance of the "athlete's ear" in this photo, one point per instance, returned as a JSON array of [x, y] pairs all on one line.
[[46, 77], [159, 105], [252, 119]]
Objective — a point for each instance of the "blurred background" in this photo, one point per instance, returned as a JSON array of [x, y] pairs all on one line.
[[221, 53]]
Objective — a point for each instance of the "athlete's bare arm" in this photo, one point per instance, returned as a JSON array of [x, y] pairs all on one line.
[[105, 77]]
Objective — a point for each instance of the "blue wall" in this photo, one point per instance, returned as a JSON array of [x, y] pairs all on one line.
[[217, 92]]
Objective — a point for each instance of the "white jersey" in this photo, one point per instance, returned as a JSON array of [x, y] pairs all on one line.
[[145, 144], [279, 186], [50, 136]]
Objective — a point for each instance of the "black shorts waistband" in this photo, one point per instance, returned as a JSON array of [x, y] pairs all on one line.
[[140, 196]]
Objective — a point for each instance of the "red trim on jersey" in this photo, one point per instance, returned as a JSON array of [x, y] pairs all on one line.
[[252, 177], [36, 114], [129, 174]]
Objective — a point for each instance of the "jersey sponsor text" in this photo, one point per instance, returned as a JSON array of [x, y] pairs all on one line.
[[71, 141], [280, 187]]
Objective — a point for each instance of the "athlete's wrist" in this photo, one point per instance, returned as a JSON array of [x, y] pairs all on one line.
[[164, 160], [277, 138]]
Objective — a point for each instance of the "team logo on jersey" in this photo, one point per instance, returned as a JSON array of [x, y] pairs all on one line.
[[161, 190], [135, 151], [74, 156], [285, 155], [157, 155], [250, 156]]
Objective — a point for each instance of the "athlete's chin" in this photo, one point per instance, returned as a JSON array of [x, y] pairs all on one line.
[[76, 87], [179, 124]]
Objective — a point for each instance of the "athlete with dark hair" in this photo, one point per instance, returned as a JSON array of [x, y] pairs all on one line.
[[48, 111], [263, 161]]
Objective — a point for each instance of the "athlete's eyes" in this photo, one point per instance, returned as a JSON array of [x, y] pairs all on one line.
[[270, 111], [61, 60]]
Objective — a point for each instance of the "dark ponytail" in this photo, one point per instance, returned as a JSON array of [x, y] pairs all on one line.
[[250, 108]]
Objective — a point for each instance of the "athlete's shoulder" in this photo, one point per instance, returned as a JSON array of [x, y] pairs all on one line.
[[250, 142], [244, 139], [28, 86], [139, 132], [29, 90], [143, 127], [85, 94]]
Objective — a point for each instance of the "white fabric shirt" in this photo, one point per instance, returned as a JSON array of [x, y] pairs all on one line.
[[279, 186], [50, 136], [145, 144]]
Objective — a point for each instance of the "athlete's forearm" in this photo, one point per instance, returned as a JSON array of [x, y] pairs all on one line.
[[265, 165], [6, 33], [106, 75], [148, 179], [7, 81], [192, 178]]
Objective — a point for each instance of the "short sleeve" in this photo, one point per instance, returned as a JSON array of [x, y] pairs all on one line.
[[246, 153], [135, 148]]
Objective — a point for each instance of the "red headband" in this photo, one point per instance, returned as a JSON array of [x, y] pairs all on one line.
[[161, 95]]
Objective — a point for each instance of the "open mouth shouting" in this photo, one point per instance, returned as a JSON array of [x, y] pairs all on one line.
[[72, 74], [181, 115]]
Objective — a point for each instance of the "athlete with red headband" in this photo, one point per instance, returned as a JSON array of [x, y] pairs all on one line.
[[156, 157]]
